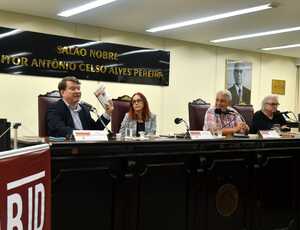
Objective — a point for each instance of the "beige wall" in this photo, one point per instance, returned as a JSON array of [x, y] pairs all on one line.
[[195, 71]]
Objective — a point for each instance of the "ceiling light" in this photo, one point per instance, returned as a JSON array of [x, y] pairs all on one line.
[[211, 18], [85, 7], [86, 44], [282, 47], [272, 32], [138, 51], [22, 54], [10, 33]]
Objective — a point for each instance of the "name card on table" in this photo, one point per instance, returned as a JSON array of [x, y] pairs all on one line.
[[269, 134], [90, 135], [198, 135]]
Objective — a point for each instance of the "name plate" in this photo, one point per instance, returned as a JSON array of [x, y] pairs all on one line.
[[269, 134], [90, 135], [199, 135]]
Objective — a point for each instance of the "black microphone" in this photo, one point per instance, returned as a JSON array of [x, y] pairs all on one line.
[[94, 110], [88, 106], [16, 125], [226, 111], [178, 120], [285, 113]]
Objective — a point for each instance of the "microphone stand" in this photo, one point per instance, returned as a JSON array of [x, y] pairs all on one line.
[[110, 135], [187, 134], [235, 114], [15, 127]]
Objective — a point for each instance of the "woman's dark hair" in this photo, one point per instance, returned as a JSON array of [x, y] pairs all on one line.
[[145, 112]]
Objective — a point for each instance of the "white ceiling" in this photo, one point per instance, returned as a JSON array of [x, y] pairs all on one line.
[[139, 15]]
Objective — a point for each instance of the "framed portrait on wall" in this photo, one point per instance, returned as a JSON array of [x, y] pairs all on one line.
[[238, 81]]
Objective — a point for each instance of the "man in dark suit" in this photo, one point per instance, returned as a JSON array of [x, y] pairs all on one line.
[[69, 114], [240, 94]]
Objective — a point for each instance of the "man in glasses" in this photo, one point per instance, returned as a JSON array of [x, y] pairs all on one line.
[[268, 116]]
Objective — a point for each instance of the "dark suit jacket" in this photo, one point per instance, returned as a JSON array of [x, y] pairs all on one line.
[[60, 122], [235, 98]]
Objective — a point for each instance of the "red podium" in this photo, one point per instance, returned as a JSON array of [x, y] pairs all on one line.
[[25, 189]]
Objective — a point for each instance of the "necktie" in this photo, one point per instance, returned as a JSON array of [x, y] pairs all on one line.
[[240, 94]]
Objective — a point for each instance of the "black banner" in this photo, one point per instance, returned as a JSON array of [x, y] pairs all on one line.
[[30, 53]]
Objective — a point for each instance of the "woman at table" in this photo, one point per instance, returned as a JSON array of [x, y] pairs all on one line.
[[268, 116], [139, 118]]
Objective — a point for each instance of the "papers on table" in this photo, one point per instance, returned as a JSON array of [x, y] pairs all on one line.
[[90, 135], [200, 135], [269, 134]]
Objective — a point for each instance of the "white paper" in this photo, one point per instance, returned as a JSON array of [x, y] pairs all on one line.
[[269, 134], [103, 97], [90, 135], [198, 135]]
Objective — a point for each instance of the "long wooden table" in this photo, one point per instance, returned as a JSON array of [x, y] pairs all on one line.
[[176, 184]]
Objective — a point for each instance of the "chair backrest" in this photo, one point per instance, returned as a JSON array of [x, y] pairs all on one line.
[[44, 101], [196, 115], [246, 111], [121, 107]]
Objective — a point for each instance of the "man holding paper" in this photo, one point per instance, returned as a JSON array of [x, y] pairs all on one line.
[[69, 114]]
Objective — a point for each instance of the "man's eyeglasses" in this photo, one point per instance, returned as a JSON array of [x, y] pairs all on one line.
[[273, 104], [137, 101]]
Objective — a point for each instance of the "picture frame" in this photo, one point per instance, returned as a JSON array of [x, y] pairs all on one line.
[[238, 81]]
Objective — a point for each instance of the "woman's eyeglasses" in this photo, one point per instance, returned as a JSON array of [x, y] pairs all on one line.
[[137, 101]]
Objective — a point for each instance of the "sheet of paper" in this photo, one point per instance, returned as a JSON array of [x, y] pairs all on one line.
[[90, 135], [269, 134], [198, 135]]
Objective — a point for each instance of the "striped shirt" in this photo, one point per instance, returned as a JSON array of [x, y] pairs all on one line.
[[212, 120]]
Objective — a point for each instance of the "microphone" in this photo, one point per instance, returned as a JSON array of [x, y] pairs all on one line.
[[94, 110], [16, 125], [179, 120], [88, 106], [285, 113], [226, 111], [110, 134]]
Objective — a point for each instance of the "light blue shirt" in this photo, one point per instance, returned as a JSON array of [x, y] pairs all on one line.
[[74, 110]]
